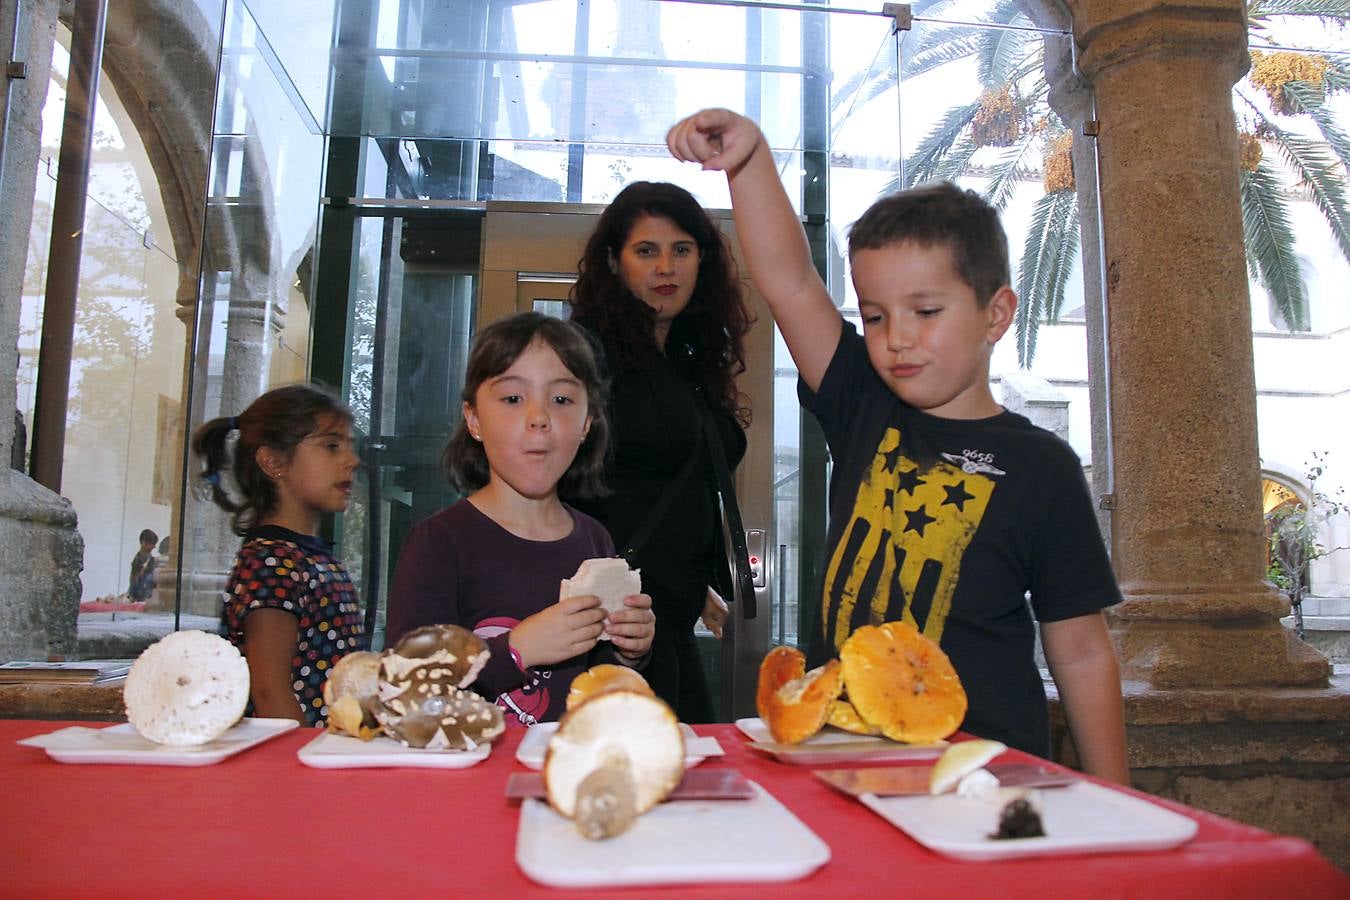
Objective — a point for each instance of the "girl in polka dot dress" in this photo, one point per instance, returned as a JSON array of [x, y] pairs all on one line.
[[290, 606]]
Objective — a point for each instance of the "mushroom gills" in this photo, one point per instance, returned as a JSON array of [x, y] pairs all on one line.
[[606, 801]]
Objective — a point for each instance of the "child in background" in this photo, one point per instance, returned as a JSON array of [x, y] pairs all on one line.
[[947, 510], [289, 604], [533, 420], [141, 583]]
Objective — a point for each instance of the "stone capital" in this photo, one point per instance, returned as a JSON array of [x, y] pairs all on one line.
[[1112, 32]]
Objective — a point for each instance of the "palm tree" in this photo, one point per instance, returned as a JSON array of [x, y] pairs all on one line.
[[1011, 135]]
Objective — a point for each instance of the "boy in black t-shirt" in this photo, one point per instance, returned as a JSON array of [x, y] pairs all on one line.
[[946, 510]]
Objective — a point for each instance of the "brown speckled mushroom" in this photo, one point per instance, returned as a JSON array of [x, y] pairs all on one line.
[[441, 718], [421, 698], [613, 757], [458, 654]]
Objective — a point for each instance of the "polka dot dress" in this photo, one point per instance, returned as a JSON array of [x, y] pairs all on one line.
[[281, 569]]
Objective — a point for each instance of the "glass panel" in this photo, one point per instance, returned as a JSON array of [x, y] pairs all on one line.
[[1293, 112], [122, 436], [411, 321], [253, 320]]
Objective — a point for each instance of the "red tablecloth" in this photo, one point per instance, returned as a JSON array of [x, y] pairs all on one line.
[[263, 824]]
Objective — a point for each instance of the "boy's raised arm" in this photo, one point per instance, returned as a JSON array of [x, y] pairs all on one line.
[[770, 234]]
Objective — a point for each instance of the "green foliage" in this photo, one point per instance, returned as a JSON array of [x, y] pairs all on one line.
[[1294, 533]]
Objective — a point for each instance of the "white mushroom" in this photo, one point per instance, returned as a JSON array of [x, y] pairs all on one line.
[[186, 689], [613, 757], [608, 578]]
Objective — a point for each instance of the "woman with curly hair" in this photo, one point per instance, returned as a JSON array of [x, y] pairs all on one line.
[[658, 289]]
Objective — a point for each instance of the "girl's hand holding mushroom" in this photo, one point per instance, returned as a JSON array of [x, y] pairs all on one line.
[[632, 628], [559, 632]]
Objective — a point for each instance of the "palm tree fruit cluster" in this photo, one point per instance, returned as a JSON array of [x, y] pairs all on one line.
[[889, 680], [1249, 151], [999, 120], [1272, 71], [1059, 164]]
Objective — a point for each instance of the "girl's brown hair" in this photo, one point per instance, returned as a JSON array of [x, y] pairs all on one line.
[[706, 342], [280, 419], [495, 349]]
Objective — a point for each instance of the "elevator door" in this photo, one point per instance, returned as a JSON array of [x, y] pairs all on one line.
[[529, 258]]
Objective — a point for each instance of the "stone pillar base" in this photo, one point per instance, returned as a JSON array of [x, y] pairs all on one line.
[[1276, 758], [41, 556], [1213, 640]]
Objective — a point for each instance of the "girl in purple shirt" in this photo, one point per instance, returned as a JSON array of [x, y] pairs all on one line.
[[533, 421]]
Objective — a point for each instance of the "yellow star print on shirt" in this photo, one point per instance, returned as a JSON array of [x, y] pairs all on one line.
[[900, 554]]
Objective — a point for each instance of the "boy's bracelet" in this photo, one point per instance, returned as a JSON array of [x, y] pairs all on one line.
[[515, 657]]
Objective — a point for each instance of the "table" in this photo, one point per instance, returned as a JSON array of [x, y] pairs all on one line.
[[235, 829]]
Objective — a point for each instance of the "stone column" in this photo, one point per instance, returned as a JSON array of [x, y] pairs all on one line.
[[41, 552], [1187, 530]]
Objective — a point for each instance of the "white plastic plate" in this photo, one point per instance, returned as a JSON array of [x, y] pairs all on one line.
[[1081, 818], [123, 744], [338, 751], [534, 745], [681, 842], [833, 745]]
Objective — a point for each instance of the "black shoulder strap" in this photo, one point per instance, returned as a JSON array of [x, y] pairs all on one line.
[[643, 533], [738, 554]]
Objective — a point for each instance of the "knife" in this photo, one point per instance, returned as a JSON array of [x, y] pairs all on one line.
[[697, 784], [903, 781], [848, 750]]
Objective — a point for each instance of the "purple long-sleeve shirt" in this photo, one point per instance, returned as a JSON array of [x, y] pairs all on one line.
[[459, 567]]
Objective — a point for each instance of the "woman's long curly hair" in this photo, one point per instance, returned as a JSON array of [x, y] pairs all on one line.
[[706, 342]]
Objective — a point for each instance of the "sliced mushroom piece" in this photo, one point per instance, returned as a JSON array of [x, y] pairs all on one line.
[[800, 708], [351, 693], [614, 756], [844, 715]]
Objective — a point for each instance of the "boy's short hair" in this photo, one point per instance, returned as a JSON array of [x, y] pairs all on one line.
[[149, 537], [940, 213]]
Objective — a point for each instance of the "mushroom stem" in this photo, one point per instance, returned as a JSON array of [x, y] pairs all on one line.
[[606, 804]]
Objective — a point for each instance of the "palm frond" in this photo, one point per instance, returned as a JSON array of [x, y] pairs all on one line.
[[942, 46], [1003, 48], [1309, 99], [1316, 168], [955, 163], [856, 82], [1260, 10], [923, 163], [1009, 172], [1063, 263], [1047, 257], [1270, 243], [1337, 76], [1319, 173]]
